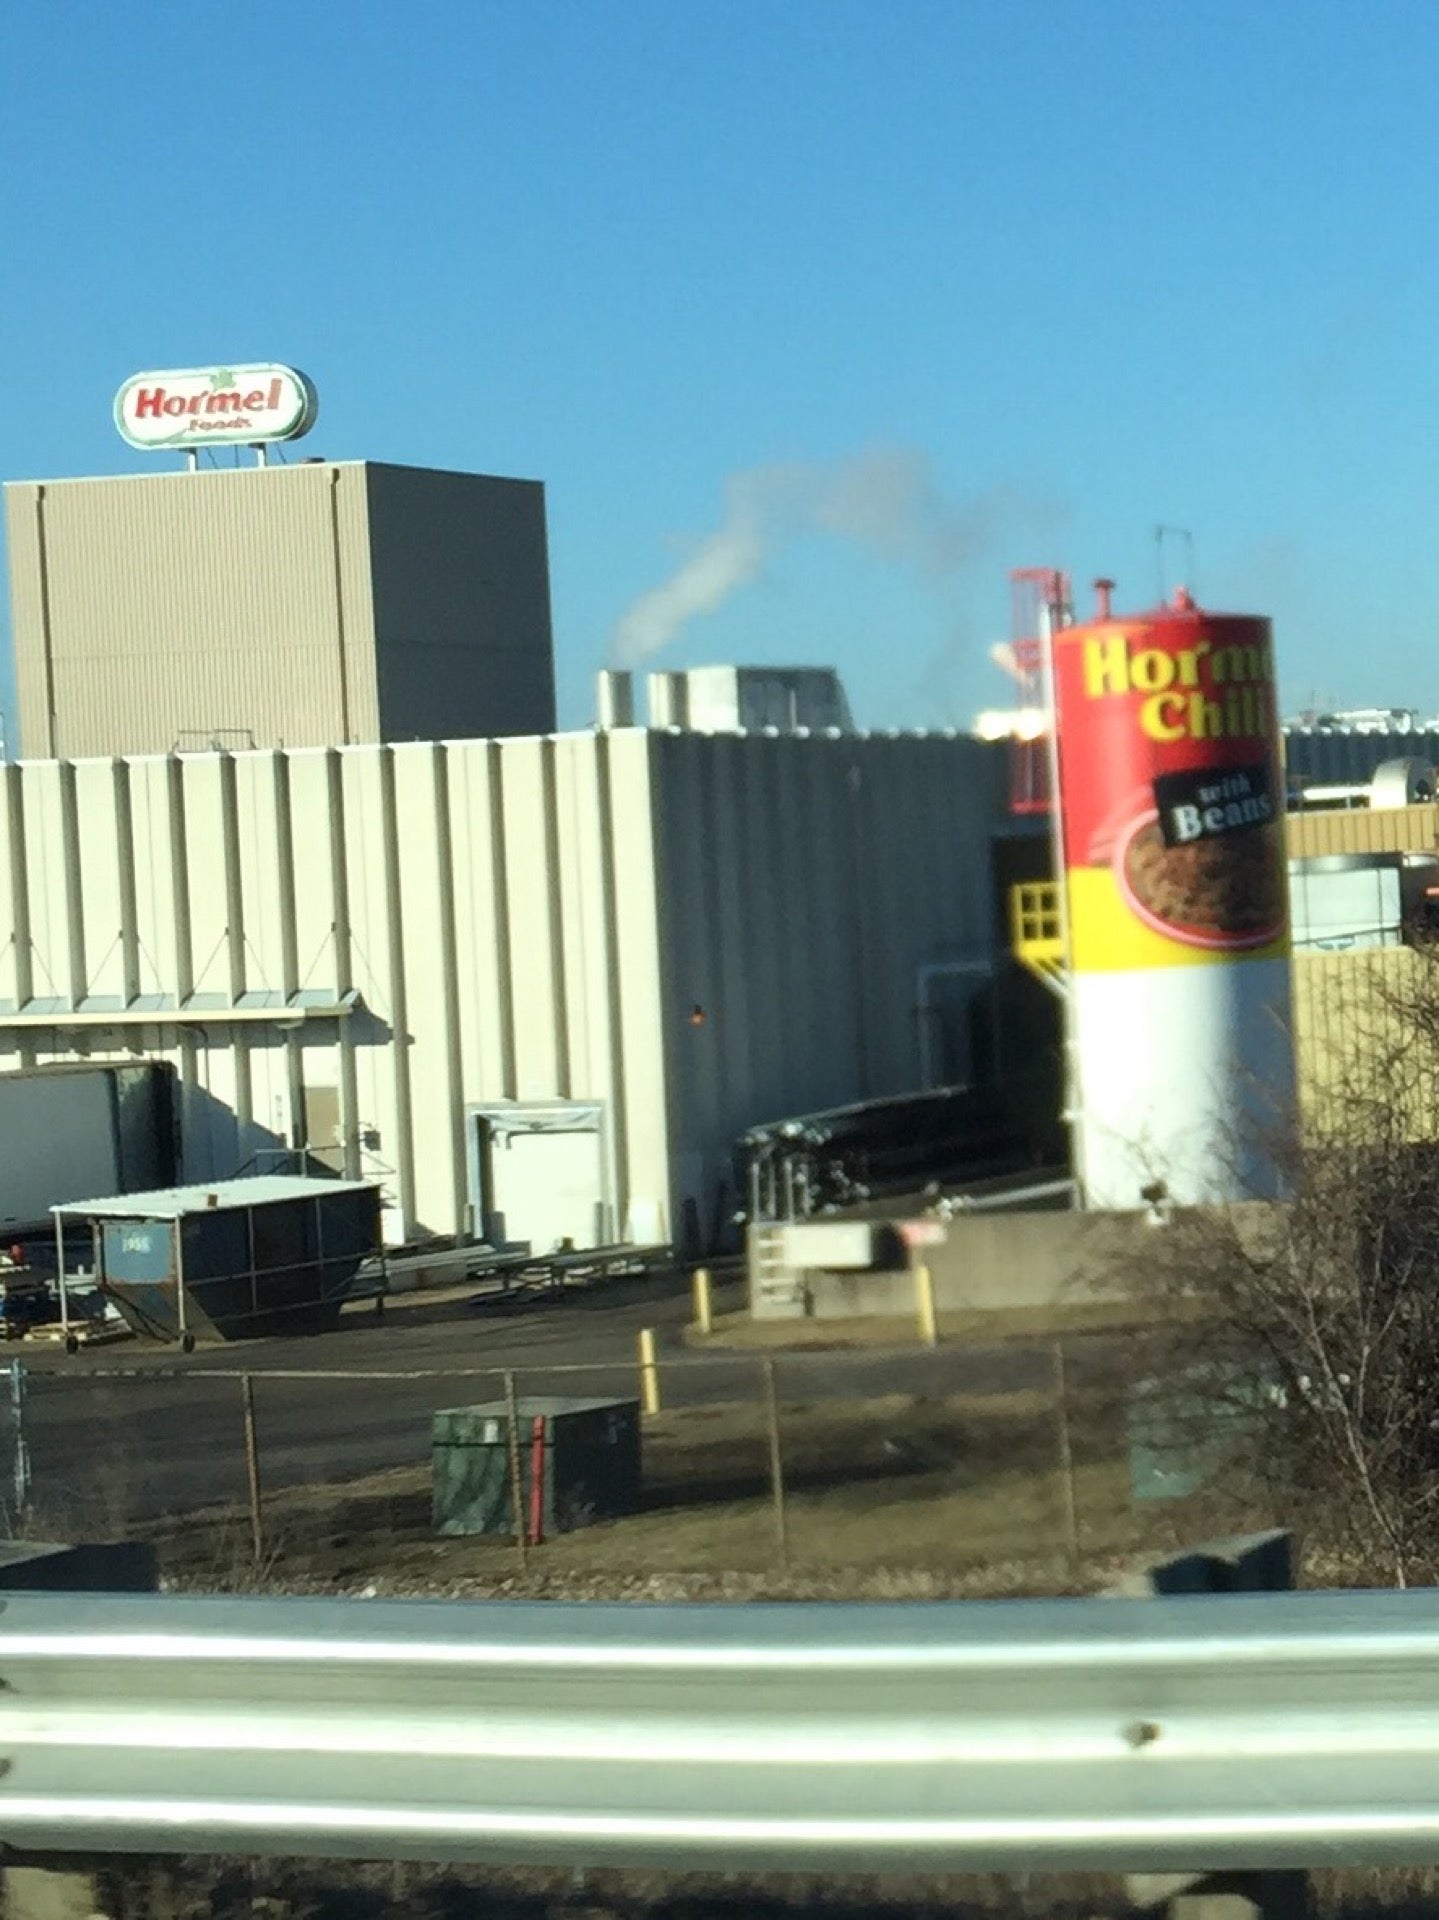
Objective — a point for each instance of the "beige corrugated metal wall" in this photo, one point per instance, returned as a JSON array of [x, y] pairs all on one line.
[[1362, 830], [160, 605], [492, 906], [1344, 1004], [1348, 1020], [151, 607], [315, 605]]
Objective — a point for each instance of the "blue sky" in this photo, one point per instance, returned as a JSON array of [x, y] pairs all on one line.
[[915, 293]]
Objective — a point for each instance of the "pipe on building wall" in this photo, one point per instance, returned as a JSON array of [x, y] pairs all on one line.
[[47, 641], [338, 557]]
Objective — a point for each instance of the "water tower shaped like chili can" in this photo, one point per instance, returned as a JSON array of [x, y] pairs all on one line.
[[1171, 826]]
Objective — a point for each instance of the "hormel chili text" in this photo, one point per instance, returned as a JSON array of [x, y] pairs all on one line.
[[1199, 692], [1171, 799]]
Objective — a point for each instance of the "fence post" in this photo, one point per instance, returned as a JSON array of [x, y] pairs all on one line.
[[1066, 1457], [704, 1317], [537, 1479], [776, 1465], [252, 1469], [649, 1373], [22, 1447], [924, 1304], [517, 1484]]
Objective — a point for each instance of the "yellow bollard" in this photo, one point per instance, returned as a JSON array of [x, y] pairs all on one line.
[[649, 1373], [704, 1318], [924, 1305]]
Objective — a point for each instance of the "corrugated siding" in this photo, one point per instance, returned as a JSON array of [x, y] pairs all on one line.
[[492, 904], [23, 512], [803, 884], [175, 604], [1346, 1007], [461, 604], [1362, 830], [1324, 757]]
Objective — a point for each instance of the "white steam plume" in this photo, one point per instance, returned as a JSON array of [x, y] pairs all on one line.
[[886, 500]]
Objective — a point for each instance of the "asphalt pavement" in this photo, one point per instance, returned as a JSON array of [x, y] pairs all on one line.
[[125, 1433]]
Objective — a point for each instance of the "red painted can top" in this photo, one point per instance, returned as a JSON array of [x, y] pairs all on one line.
[[1169, 778]]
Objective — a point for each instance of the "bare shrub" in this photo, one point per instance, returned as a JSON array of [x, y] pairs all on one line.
[[1315, 1365]]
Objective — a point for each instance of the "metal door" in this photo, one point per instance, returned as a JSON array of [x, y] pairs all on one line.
[[539, 1176]]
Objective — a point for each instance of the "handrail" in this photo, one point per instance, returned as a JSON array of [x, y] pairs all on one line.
[[1234, 1732]]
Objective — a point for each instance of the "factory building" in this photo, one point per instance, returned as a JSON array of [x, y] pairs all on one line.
[[319, 604], [537, 987]]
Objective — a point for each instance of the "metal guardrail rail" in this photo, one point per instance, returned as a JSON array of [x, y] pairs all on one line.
[[1274, 1730]]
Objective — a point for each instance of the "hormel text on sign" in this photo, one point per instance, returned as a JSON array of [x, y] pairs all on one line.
[[200, 405]]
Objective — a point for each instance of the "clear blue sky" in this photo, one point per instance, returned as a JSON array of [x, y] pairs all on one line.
[[991, 284]]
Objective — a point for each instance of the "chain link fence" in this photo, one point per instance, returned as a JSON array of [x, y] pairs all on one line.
[[938, 1459]]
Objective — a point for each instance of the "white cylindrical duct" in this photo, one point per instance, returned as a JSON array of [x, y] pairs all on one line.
[[614, 698]]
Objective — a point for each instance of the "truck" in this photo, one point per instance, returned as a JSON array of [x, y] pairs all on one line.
[[67, 1132]]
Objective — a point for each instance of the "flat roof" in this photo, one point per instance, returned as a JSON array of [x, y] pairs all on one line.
[[212, 1196], [272, 470]]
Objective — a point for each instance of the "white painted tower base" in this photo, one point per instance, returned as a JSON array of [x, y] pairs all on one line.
[[1154, 1103]]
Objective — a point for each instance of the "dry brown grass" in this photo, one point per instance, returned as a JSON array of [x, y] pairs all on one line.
[[885, 1498], [310, 1890], [893, 1498]]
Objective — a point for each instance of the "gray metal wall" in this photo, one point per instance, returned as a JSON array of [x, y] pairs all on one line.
[[804, 883], [461, 605], [1326, 756], [395, 935], [310, 605]]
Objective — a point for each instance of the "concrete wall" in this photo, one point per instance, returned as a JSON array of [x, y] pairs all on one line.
[[993, 1262]]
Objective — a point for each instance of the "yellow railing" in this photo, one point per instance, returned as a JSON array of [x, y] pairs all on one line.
[[1036, 931]]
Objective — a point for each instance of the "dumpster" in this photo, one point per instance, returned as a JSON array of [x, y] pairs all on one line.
[[235, 1258]]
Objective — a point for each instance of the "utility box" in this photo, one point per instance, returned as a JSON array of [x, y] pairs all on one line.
[[1184, 1431], [579, 1462]]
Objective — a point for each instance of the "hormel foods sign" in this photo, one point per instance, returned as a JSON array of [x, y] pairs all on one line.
[[208, 404]]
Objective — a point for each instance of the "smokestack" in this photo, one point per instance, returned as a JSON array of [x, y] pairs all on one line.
[[669, 699], [1103, 589], [614, 699]]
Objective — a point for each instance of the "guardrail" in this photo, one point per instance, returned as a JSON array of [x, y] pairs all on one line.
[[1239, 1731]]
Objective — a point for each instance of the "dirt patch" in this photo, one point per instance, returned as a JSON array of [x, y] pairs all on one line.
[[1029, 1324], [898, 1497], [895, 1498], [299, 1890], [184, 1889]]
